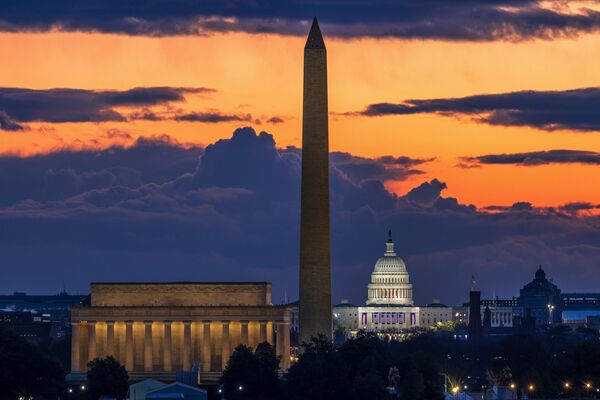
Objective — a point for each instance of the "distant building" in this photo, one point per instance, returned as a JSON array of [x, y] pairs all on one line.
[[164, 330], [542, 298], [33, 327], [54, 306], [474, 327], [389, 308]]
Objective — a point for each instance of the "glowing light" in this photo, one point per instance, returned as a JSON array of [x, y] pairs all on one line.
[[455, 389], [531, 387]]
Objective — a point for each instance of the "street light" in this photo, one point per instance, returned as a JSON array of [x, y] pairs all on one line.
[[531, 388], [567, 385], [82, 387]]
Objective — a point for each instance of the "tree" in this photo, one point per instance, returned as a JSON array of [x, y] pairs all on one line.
[[413, 387], [107, 377], [255, 373], [268, 366], [25, 371], [319, 374]]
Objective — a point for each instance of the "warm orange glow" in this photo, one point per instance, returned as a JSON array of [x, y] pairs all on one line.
[[261, 75]]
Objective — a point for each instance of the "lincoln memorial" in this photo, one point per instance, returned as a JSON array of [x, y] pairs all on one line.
[[158, 329]]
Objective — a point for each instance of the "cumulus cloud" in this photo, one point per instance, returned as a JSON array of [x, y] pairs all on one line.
[[574, 109], [535, 158], [409, 19], [161, 211]]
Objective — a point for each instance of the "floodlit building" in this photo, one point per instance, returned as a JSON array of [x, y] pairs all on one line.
[[160, 330], [390, 308]]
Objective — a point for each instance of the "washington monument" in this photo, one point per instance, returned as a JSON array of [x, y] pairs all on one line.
[[315, 252]]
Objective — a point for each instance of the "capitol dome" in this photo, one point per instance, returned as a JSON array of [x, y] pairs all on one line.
[[390, 282]]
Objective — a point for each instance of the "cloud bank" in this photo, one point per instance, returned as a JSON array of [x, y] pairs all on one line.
[[574, 109], [469, 20], [535, 158], [19, 106], [230, 211]]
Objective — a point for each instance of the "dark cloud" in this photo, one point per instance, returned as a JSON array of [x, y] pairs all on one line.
[[411, 19], [575, 109], [79, 105], [276, 120], [214, 117], [535, 158], [160, 211], [383, 168], [8, 124]]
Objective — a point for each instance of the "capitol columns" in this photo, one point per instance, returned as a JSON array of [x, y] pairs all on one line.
[[129, 345], [147, 346], [75, 354], [167, 347], [110, 338], [187, 345]]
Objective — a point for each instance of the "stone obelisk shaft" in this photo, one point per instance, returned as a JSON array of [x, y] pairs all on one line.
[[315, 253]]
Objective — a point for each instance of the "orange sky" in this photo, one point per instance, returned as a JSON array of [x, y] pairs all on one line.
[[261, 75]]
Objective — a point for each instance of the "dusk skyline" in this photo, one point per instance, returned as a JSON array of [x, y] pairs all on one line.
[[138, 145]]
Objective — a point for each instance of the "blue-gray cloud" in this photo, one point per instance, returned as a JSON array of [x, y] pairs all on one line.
[[160, 211], [412, 19], [575, 109], [79, 105], [535, 158]]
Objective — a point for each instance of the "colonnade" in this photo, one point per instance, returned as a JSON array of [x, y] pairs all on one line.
[[167, 346], [390, 293]]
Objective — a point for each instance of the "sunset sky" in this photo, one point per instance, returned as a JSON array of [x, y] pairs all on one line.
[[498, 101]]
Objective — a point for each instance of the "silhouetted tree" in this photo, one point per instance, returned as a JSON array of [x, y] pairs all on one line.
[[106, 377], [319, 374], [268, 367], [26, 371], [412, 386], [242, 371]]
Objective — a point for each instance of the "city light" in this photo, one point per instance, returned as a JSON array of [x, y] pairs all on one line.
[[455, 389], [70, 390], [82, 387], [588, 385], [567, 385], [240, 388], [531, 388], [512, 386]]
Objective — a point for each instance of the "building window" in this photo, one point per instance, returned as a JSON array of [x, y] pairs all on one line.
[[364, 318], [375, 318]]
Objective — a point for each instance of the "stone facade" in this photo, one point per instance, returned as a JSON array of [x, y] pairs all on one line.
[[156, 330], [315, 251]]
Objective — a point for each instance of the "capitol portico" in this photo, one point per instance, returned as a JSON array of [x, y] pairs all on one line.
[[158, 329]]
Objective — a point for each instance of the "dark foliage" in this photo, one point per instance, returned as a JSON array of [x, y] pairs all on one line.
[[27, 371], [107, 377], [255, 373]]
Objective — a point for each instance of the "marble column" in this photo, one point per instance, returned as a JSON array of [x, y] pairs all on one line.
[[244, 332], [167, 347], [283, 344], [206, 354], [110, 338], [187, 345], [129, 346], [225, 344], [92, 346], [75, 354], [262, 332], [148, 346]]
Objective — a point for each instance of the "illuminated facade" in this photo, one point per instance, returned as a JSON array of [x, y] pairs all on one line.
[[159, 329], [389, 307]]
